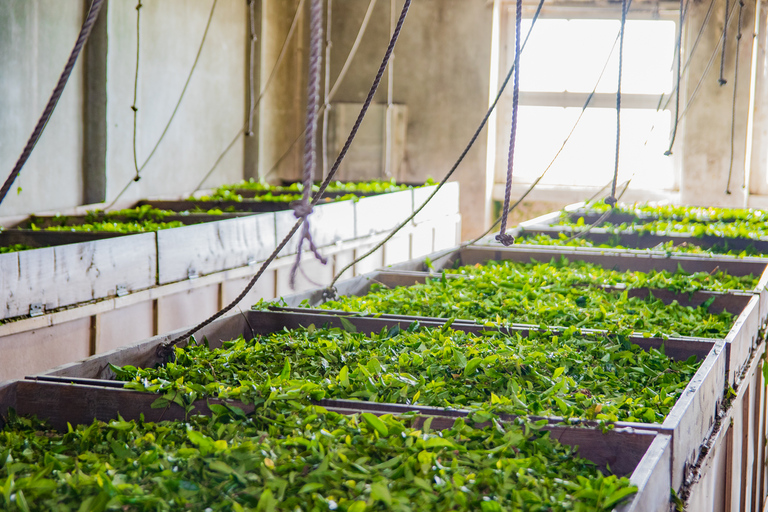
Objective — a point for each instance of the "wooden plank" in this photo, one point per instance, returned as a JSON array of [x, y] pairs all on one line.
[[263, 289], [447, 233], [378, 214], [32, 352], [422, 242], [210, 247], [445, 202], [313, 274], [125, 326], [330, 223], [652, 478], [693, 417], [187, 308], [69, 274], [372, 262], [397, 249]]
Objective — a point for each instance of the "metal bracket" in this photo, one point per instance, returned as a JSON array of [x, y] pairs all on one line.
[[36, 309], [251, 260], [192, 273], [121, 290]]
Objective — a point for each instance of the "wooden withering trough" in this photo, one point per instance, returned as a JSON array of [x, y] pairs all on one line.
[[689, 423]]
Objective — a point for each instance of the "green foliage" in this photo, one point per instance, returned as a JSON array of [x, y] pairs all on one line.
[[668, 247], [307, 459], [15, 248], [133, 220], [285, 194], [553, 294], [571, 375]]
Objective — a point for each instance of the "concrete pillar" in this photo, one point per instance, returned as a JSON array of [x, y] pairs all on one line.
[[95, 110], [252, 81], [282, 109], [706, 128]]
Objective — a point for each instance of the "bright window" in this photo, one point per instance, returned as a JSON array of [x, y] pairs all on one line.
[[559, 68]]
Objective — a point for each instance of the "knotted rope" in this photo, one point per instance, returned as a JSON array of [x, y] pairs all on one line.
[[303, 208]]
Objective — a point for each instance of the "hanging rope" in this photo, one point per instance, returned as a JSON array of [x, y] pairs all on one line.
[[559, 151], [679, 50], [164, 350], [611, 200], [503, 236], [733, 102], [722, 80], [330, 291], [303, 208], [334, 89], [85, 32]]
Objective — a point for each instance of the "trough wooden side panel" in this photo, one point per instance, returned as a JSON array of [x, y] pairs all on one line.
[[125, 326], [33, 352], [329, 223], [378, 214], [652, 478], [694, 415], [209, 247], [27, 277], [445, 202], [187, 308]]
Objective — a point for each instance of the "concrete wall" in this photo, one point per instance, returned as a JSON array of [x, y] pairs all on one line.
[[36, 37], [211, 113], [442, 69]]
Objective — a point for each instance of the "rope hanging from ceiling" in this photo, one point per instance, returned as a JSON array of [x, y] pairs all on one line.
[[503, 236], [611, 200], [303, 208]]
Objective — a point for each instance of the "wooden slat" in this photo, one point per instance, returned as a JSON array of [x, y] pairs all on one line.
[[202, 249], [652, 478], [445, 202], [382, 213], [64, 275], [329, 223]]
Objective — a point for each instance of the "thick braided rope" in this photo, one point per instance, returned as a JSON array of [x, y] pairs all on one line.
[[85, 32], [303, 208], [503, 236], [164, 350], [611, 200], [679, 75], [722, 80]]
